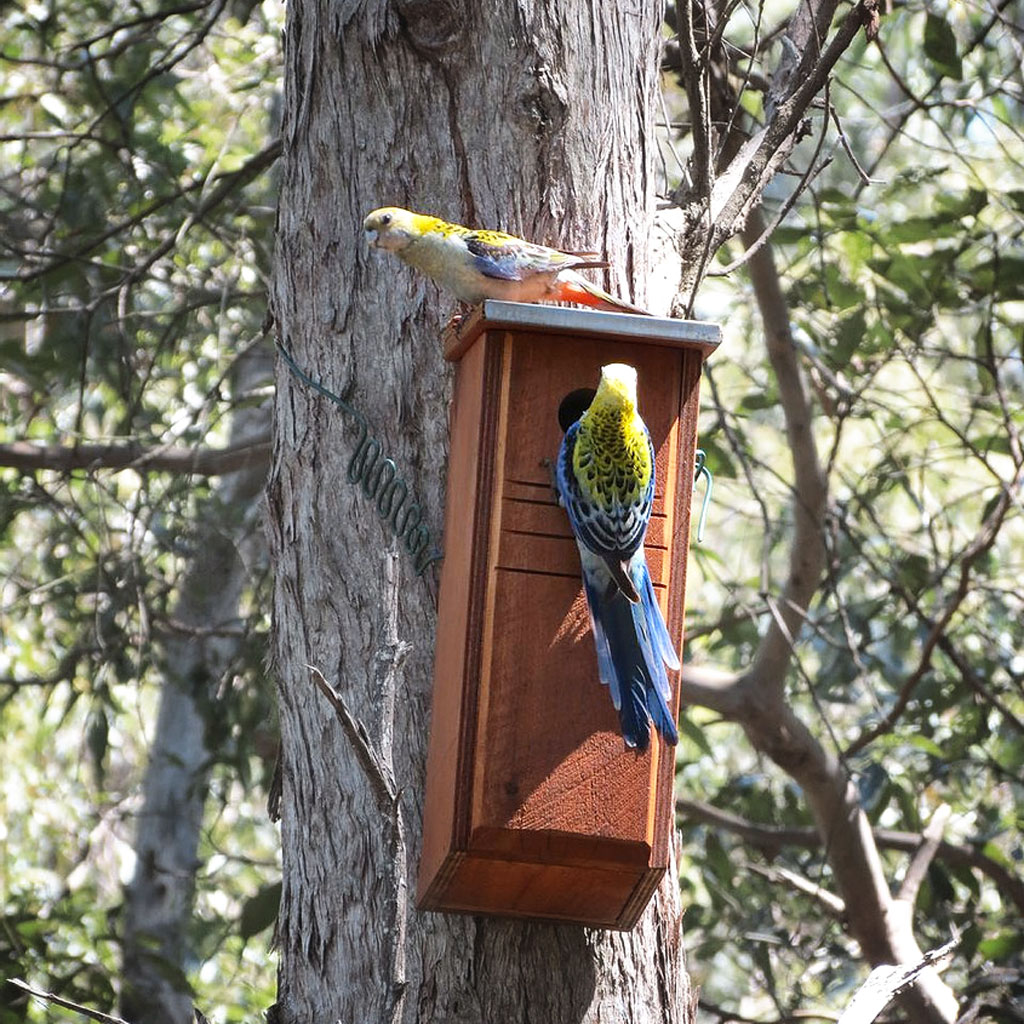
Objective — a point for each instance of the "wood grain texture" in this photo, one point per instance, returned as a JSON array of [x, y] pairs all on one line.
[[547, 812]]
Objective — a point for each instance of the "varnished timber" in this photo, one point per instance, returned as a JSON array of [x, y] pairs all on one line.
[[534, 807]]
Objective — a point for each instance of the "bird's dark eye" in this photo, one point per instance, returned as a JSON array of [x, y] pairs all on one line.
[[385, 220]]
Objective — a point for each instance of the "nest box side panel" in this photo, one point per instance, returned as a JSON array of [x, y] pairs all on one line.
[[679, 494], [459, 617], [549, 754]]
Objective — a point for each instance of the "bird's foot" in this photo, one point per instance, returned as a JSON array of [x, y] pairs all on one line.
[[549, 465]]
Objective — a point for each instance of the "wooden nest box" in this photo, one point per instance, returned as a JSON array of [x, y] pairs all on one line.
[[534, 806]]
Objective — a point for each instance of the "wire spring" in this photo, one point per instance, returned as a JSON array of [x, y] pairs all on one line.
[[379, 480], [700, 469]]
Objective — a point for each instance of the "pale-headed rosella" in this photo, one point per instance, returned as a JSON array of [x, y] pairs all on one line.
[[479, 264], [605, 480]]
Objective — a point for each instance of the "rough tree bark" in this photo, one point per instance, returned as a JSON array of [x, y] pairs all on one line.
[[159, 900], [536, 118]]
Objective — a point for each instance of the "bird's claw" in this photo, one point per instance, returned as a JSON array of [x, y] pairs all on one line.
[[549, 465]]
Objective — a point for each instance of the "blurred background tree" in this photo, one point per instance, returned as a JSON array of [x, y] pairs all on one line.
[[136, 218], [862, 574], [137, 145]]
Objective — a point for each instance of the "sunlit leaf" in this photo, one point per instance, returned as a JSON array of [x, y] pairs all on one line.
[[260, 911], [940, 46]]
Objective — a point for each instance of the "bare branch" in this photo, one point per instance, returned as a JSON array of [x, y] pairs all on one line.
[[50, 997], [141, 20], [771, 839], [796, 1017], [380, 777], [226, 183], [978, 547], [756, 700], [865, 178], [924, 855], [695, 81], [711, 688], [831, 903], [739, 189], [29, 456], [973, 680], [807, 554], [886, 982], [814, 168]]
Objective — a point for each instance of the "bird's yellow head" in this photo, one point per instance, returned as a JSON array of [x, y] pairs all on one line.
[[392, 228], [617, 387]]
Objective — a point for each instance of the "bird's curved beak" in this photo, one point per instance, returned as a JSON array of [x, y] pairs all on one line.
[[371, 236]]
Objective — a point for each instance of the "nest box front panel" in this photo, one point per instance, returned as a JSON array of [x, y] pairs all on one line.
[[549, 756], [533, 805]]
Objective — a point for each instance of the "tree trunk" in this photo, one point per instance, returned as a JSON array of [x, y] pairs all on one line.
[[533, 118]]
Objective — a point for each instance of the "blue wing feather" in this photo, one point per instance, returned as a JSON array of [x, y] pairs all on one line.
[[661, 642], [613, 533], [492, 262], [630, 640], [632, 643], [496, 254]]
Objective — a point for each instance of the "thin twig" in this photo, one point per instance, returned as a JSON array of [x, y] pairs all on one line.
[[813, 170], [865, 178], [828, 900], [379, 778], [981, 544], [50, 997], [924, 855]]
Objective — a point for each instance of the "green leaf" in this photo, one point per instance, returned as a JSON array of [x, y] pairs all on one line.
[[969, 942], [915, 571], [789, 235], [953, 207], [758, 400], [995, 852], [922, 229], [97, 738], [1001, 946], [918, 277], [848, 338], [260, 911], [690, 730], [1001, 278], [940, 47], [719, 458], [716, 859], [929, 746]]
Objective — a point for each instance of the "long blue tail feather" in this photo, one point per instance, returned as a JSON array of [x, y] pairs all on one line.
[[605, 477], [633, 648]]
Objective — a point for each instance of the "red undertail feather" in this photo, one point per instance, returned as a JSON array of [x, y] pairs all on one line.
[[586, 294]]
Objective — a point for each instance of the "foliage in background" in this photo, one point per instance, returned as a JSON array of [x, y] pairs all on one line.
[[135, 218], [136, 214], [906, 292]]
